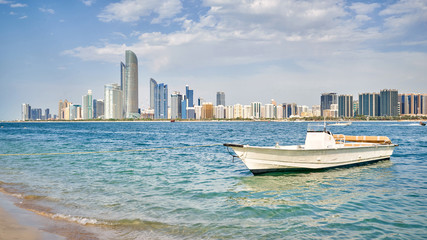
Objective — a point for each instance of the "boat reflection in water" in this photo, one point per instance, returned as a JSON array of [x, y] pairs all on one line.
[[321, 150], [323, 188]]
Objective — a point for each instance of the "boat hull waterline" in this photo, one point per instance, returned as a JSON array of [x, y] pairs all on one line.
[[291, 158]]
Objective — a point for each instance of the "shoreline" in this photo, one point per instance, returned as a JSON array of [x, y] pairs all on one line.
[[18, 223], [208, 121]]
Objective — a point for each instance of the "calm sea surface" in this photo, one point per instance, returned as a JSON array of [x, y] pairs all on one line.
[[200, 193]]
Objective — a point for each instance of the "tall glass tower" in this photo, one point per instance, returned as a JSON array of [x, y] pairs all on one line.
[[113, 101], [220, 98], [153, 85], [87, 105], [130, 86], [161, 101]]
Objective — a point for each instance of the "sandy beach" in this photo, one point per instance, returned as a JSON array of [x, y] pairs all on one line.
[[11, 229]]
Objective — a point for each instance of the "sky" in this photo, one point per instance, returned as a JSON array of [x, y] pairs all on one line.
[[253, 50]]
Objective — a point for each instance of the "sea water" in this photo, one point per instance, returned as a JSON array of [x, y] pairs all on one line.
[[201, 193]]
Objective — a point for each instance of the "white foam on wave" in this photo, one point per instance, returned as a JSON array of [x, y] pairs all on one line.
[[79, 220]]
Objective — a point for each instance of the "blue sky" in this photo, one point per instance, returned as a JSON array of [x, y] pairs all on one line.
[[253, 50]]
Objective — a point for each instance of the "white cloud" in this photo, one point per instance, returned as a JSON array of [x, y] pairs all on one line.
[[47, 10], [364, 8], [133, 10], [120, 35], [12, 13], [16, 5], [310, 41], [5, 2], [88, 2], [23, 17]]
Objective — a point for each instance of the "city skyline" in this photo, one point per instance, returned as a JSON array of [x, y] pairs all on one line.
[[285, 50]]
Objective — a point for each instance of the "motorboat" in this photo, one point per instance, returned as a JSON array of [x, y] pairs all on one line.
[[422, 123], [340, 124], [321, 150]]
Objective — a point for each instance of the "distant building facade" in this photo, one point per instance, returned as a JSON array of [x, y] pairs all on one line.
[[389, 102], [25, 112], [161, 101], [87, 105], [413, 104], [176, 108], [129, 85], [326, 100], [369, 104], [220, 98], [345, 106], [113, 101]]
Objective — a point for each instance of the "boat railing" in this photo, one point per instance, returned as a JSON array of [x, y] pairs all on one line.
[[313, 127]]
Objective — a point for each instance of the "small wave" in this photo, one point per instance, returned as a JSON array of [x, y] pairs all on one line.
[[79, 220]]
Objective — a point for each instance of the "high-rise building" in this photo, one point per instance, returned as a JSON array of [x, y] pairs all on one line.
[[129, 86], [345, 106], [412, 104], [161, 101], [369, 104], [189, 95], [255, 110], [47, 114], [98, 108], [153, 85], [113, 101], [229, 112], [290, 110], [25, 112], [200, 101], [326, 100], [87, 105], [389, 102], [176, 99], [36, 114], [220, 98], [270, 111], [355, 108], [95, 109], [238, 111], [207, 110], [198, 112], [75, 112], [184, 107]]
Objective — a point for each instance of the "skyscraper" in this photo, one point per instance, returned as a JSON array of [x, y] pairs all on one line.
[[46, 114], [345, 106], [161, 101], [389, 102], [326, 100], [255, 110], [130, 85], [26, 112], [113, 105], [87, 106], [189, 96], [369, 104], [153, 85], [176, 99], [220, 98]]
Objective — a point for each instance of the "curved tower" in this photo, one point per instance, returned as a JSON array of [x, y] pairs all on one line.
[[130, 88]]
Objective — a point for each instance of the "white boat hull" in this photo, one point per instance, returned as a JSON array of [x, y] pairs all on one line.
[[268, 159]]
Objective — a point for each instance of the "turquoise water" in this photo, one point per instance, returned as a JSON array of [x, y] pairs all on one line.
[[200, 193]]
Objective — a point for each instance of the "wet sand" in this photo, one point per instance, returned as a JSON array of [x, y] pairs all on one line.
[[11, 229]]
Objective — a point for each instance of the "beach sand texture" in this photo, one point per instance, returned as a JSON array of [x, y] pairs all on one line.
[[10, 229]]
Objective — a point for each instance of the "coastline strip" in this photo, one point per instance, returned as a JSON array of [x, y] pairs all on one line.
[[116, 151]]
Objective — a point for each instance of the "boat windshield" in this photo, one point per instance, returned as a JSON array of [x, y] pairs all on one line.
[[315, 127]]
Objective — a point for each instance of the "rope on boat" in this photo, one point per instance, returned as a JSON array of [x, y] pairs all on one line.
[[100, 152]]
